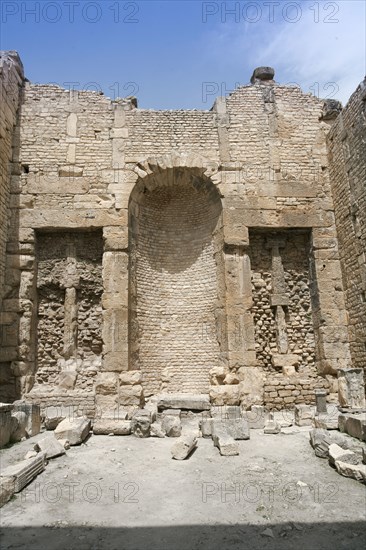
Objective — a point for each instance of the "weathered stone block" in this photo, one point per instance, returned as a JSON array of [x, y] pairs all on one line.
[[303, 415], [6, 423], [75, 431], [141, 423], [130, 378], [106, 426], [184, 401], [357, 471], [337, 453], [106, 383], [51, 446], [183, 447], [225, 395], [171, 425], [23, 472], [131, 395], [223, 441], [7, 489]]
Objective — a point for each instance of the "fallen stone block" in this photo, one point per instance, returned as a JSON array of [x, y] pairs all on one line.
[[141, 423], [33, 414], [105, 426], [320, 441], [226, 412], [184, 401], [224, 441], [206, 427], [172, 426], [356, 426], [51, 446], [238, 428], [271, 426], [337, 453], [19, 426], [255, 417], [326, 421], [75, 431], [356, 471], [183, 447], [303, 415], [7, 489], [156, 430], [6, 423], [25, 471], [52, 416]]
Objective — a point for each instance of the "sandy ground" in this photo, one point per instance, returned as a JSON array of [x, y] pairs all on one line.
[[127, 493]]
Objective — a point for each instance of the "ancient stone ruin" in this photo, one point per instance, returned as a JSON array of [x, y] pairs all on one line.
[[214, 253]]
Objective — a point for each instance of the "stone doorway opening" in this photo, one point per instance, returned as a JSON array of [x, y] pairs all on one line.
[[175, 280]]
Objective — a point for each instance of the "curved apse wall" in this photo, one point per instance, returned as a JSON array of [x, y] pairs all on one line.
[[175, 245]]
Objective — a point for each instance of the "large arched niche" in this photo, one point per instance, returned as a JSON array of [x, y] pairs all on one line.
[[176, 280]]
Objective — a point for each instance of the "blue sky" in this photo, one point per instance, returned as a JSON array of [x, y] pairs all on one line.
[[182, 54]]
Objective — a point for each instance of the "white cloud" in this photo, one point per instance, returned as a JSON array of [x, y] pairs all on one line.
[[325, 57]]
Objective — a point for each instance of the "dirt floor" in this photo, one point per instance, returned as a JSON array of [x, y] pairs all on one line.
[[127, 493]]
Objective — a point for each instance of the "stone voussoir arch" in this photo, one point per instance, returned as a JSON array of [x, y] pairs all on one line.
[[155, 165]]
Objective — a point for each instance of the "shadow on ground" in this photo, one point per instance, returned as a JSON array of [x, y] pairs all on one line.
[[310, 536]]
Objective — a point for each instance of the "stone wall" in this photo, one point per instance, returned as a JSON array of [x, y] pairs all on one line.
[[11, 83], [347, 157], [168, 299]]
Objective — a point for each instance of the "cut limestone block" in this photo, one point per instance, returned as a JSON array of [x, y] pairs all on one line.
[[226, 412], [271, 426], [238, 428], [320, 441], [206, 427], [184, 401], [255, 417], [25, 471], [337, 453], [326, 421], [51, 446], [141, 423], [52, 416], [224, 441], [105, 426], [75, 431], [356, 471], [172, 426], [19, 426], [354, 425], [7, 489], [6, 423], [183, 447], [303, 415], [156, 430], [33, 414]]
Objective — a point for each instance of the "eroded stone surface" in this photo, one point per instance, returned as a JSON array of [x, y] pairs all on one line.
[[75, 431]]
